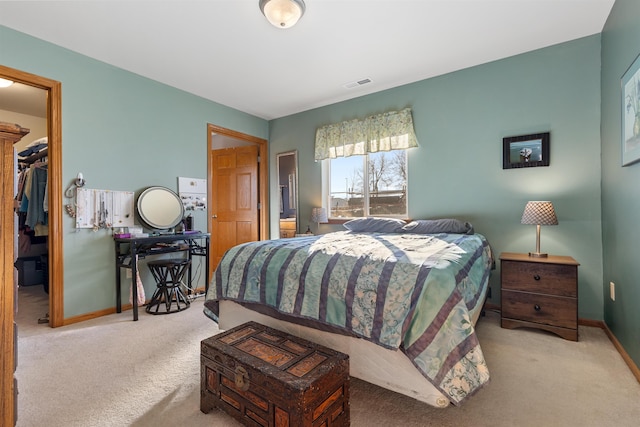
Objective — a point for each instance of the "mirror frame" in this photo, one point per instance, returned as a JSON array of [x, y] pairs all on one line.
[[295, 194], [145, 217]]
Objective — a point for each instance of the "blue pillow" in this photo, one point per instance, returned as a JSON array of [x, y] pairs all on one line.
[[375, 225], [434, 226]]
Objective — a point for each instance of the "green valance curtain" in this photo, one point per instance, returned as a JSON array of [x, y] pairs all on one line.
[[388, 131]]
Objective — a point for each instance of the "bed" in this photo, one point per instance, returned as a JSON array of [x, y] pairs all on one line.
[[401, 301]]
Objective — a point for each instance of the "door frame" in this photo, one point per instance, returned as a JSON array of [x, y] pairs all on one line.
[[55, 264], [263, 178]]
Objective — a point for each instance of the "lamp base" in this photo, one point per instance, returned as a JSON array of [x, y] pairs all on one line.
[[538, 255]]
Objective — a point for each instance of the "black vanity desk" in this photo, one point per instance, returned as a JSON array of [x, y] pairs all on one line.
[[128, 248]]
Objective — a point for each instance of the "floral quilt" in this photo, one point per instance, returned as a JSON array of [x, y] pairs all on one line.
[[412, 292]]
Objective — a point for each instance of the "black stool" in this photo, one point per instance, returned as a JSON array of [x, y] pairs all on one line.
[[168, 274]]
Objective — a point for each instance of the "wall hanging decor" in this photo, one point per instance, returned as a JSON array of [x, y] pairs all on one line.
[[525, 151], [630, 85], [98, 209], [193, 193]]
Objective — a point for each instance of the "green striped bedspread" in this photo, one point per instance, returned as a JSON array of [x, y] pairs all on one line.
[[412, 292]]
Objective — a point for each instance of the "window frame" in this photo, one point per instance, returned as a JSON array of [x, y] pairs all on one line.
[[326, 188]]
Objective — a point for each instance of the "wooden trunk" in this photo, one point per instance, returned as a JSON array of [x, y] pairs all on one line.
[[264, 377]]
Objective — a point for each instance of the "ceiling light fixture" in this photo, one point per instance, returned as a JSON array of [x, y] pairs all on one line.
[[282, 13], [5, 82]]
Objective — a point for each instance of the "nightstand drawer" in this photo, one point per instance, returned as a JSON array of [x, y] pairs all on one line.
[[287, 225], [285, 234], [287, 229], [544, 309], [551, 279]]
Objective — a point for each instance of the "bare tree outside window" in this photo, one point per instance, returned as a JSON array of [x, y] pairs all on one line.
[[379, 189]]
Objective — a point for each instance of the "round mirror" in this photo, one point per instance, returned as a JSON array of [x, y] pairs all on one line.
[[160, 208]]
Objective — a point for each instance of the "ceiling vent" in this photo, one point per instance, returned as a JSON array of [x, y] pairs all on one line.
[[357, 83]]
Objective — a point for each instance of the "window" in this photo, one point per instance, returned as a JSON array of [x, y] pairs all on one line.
[[365, 165], [373, 184]]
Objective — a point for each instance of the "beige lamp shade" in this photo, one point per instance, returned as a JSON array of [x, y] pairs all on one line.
[[539, 213], [319, 215]]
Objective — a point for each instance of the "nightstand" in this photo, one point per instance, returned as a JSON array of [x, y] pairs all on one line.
[[287, 229], [540, 293]]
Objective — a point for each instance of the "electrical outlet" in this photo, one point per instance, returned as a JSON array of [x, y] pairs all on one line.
[[612, 291]]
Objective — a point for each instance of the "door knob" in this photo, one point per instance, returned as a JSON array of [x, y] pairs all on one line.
[[214, 216]]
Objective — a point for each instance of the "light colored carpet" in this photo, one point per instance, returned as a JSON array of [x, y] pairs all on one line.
[[112, 371]]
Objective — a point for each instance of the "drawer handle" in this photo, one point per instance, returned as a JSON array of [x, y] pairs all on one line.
[[536, 307], [536, 277]]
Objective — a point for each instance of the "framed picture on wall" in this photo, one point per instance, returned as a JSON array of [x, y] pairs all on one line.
[[525, 151], [630, 85]]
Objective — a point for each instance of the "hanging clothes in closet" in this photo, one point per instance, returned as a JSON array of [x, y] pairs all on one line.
[[32, 196]]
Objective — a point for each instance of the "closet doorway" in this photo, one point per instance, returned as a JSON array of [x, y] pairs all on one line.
[[27, 106], [55, 197], [8, 339]]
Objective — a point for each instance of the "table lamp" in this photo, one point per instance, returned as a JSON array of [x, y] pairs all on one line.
[[539, 213], [319, 215]]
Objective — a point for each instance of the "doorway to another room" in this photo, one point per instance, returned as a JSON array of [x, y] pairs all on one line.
[[27, 106], [237, 190], [8, 239], [53, 132]]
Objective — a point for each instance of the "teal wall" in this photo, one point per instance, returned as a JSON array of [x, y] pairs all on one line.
[[123, 132], [620, 189], [460, 120]]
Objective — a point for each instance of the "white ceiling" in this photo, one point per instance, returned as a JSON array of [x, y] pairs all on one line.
[[227, 52], [24, 99]]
